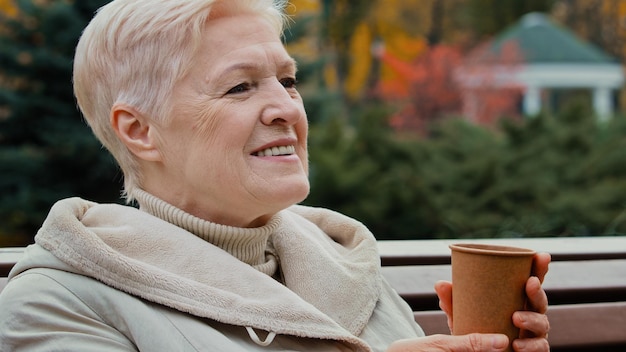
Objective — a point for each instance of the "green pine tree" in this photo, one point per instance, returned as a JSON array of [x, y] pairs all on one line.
[[47, 152]]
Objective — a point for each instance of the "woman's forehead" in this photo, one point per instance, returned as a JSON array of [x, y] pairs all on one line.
[[242, 27], [238, 37]]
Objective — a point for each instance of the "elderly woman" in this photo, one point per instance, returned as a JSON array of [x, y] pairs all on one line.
[[197, 101]]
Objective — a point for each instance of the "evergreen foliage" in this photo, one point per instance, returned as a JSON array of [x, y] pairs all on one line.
[[559, 175], [47, 152], [320, 103]]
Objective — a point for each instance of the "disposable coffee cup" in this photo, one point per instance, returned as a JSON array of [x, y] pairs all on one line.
[[488, 286]]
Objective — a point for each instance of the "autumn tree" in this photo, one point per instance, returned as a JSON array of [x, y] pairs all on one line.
[[488, 17], [597, 21], [8, 8], [347, 30], [428, 86]]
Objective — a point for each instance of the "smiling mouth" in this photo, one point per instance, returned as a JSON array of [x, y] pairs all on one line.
[[276, 151]]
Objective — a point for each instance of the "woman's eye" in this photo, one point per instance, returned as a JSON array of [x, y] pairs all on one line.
[[240, 88], [289, 82]]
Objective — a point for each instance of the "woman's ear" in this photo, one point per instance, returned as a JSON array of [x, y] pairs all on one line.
[[135, 131]]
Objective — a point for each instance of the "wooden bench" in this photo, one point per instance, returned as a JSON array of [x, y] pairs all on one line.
[[586, 285], [8, 258]]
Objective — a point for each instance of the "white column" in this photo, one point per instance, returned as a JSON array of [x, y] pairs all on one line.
[[470, 104], [602, 103], [532, 101]]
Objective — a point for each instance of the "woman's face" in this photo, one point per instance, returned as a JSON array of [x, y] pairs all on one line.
[[235, 149]]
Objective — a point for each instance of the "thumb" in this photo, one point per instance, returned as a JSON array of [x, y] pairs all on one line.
[[484, 342], [462, 343]]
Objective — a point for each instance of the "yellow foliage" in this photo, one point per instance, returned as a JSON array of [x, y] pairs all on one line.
[[360, 61], [400, 24], [297, 7], [330, 76], [621, 15], [620, 9], [307, 46], [385, 23], [8, 8], [398, 41], [403, 47], [393, 16]]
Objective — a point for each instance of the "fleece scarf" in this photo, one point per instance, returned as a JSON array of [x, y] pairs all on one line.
[[324, 257]]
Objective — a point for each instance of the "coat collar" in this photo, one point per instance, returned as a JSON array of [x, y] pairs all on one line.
[[323, 256]]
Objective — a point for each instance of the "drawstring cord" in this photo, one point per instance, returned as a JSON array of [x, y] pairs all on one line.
[[270, 337]]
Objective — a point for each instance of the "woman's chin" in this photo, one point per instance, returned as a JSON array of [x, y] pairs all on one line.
[[290, 194]]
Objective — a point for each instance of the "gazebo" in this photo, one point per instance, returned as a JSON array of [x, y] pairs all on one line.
[[550, 57]]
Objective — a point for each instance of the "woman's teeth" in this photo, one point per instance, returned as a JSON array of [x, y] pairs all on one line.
[[275, 151]]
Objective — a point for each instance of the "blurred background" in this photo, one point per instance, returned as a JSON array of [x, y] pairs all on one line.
[[428, 118]]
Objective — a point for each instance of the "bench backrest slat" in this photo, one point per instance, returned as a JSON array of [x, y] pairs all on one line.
[[435, 252], [8, 257], [585, 286], [566, 282]]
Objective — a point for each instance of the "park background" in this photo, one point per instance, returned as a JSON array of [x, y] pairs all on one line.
[[389, 142]]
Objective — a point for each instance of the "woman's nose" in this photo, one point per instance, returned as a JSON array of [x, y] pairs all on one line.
[[281, 105]]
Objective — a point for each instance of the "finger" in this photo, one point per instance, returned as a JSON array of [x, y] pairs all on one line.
[[531, 324], [536, 344], [537, 298], [541, 261], [463, 343], [444, 292]]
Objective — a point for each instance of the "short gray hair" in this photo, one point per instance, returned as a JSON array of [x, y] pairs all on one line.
[[135, 51]]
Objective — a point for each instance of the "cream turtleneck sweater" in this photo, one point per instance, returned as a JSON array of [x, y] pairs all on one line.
[[250, 245]]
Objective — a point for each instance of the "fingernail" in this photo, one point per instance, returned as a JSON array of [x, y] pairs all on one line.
[[499, 342]]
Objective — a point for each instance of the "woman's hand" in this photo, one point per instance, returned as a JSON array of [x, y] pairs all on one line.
[[533, 322], [463, 343]]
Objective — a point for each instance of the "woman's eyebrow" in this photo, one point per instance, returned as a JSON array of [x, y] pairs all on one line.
[[242, 66], [288, 64]]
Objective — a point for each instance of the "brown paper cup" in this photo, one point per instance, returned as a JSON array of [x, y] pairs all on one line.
[[488, 284]]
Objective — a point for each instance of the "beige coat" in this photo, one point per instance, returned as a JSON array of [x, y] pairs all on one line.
[[114, 278]]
